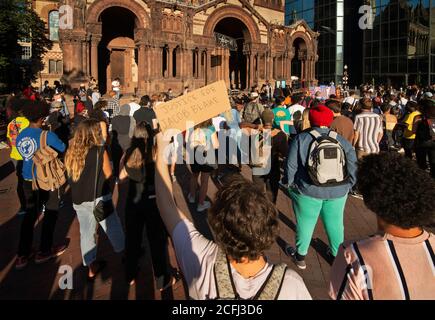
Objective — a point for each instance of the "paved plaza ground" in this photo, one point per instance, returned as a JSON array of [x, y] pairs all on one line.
[[42, 281]]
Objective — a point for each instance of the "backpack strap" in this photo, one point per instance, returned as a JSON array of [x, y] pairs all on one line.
[[96, 176], [333, 134], [224, 281], [42, 145], [273, 284], [34, 182], [43, 140], [315, 134]]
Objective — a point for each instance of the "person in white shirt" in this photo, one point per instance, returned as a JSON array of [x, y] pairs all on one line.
[[96, 96], [244, 224], [134, 106], [297, 99], [116, 86], [352, 100]]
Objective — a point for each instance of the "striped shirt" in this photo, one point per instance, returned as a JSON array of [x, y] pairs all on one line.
[[385, 268], [113, 107], [369, 126]]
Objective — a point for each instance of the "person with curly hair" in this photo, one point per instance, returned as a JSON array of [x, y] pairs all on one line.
[[89, 176], [399, 262], [28, 143], [244, 224]]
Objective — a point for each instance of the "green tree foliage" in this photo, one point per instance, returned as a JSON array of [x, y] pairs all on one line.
[[18, 22]]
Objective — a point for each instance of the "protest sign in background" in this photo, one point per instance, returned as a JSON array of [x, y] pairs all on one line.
[[196, 106]]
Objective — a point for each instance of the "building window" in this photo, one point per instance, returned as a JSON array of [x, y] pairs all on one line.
[[174, 62], [165, 64], [26, 52], [55, 66], [53, 25]]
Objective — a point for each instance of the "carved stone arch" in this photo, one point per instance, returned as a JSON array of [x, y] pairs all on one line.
[[232, 11], [45, 11], [94, 11], [179, 23], [303, 36], [164, 21]]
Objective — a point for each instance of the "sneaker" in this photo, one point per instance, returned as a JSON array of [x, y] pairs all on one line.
[[191, 198], [174, 278], [58, 250], [42, 257], [202, 207], [291, 252], [21, 262], [174, 178]]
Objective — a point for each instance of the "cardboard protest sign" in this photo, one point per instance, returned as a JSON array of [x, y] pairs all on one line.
[[196, 106]]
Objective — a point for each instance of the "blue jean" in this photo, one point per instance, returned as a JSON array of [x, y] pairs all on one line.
[[88, 229]]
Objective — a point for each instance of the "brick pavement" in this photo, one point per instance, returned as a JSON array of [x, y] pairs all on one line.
[[41, 281]]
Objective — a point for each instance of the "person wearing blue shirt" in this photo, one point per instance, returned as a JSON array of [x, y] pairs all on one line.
[[310, 200], [27, 144]]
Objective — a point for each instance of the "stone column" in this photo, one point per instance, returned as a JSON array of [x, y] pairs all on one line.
[[142, 68], [179, 62], [291, 55], [95, 40], [256, 71], [271, 68], [85, 57], [183, 68], [209, 78], [248, 71], [127, 70], [157, 60], [266, 74], [198, 63], [222, 66], [227, 68], [170, 60]]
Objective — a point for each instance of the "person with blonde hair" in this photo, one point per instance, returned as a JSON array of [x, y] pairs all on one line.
[[302, 120], [89, 175]]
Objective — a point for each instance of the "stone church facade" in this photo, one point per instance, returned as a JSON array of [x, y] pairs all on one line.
[[154, 45]]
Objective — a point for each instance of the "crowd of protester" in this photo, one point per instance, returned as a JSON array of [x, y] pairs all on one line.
[[378, 146]]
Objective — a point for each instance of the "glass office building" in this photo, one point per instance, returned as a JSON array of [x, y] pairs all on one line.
[[304, 9], [400, 49], [340, 40]]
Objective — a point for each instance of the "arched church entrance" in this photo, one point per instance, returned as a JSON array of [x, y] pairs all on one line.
[[231, 36], [117, 56]]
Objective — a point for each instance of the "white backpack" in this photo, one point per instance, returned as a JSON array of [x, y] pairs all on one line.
[[327, 160]]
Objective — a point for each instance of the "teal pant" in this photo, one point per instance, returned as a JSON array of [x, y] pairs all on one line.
[[307, 211]]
